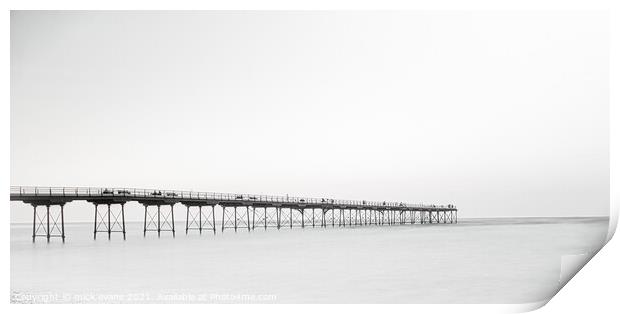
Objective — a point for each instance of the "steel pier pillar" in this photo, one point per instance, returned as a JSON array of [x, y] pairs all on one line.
[[247, 216], [158, 221], [172, 220], [34, 222], [223, 217], [235, 207], [109, 224], [48, 223], [145, 210], [187, 219], [213, 217], [62, 222]]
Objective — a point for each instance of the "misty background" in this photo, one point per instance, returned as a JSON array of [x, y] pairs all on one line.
[[501, 113]]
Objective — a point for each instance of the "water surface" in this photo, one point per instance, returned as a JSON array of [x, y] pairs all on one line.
[[475, 261]]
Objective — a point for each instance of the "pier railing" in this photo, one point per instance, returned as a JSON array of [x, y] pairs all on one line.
[[135, 193]]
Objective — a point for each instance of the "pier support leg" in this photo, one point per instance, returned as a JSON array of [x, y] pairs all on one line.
[[95, 227], [145, 209], [187, 219], [48, 223], [350, 218], [123, 217], [200, 219], [172, 214], [247, 215], [34, 222], [109, 224], [235, 207], [213, 217], [62, 222], [158, 221], [223, 217], [313, 210], [253, 217]]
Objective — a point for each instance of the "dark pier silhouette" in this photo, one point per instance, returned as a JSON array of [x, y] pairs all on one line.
[[239, 211]]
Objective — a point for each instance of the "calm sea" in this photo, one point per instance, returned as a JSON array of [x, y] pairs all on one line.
[[474, 261]]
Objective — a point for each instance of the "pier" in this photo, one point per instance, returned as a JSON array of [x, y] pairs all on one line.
[[238, 211]]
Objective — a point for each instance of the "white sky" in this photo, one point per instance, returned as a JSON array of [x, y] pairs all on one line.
[[502, 114]]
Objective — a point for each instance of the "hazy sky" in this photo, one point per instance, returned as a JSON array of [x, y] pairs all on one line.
[[502, 114]]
